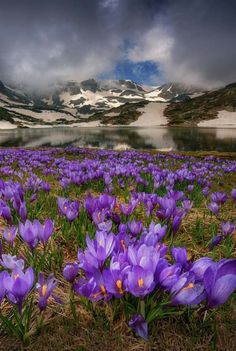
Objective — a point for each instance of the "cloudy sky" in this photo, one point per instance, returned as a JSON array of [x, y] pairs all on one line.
[[149, 41]]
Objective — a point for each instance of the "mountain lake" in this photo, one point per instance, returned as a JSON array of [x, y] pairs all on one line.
[[120, 138]]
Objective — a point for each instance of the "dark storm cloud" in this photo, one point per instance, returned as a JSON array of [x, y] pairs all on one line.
[[205, 47], [43, 41], [193, 42]]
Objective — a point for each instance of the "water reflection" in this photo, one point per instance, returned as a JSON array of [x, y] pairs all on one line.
[[188, 139]]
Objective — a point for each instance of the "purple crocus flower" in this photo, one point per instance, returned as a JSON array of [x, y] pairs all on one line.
[[44, 231], [215, 241], [219, 197], [100, 216], [214, 207], [220, 282], [233, 195], [126, 209], [115, 279], [139, 326], [190, 187], [122, 228], [29, 233], [176, 195], [167, 207], [102, 246], [33, 197], [169, 276], [88, 262], [200, 266], [3, 275], [205, 191], [149, 207], [5, 211], [180, 256], [69, 209], [122, 241], [18, 285], [140, 281], [94, 288], [10, 233], [135, 227], [90, 204], [23, 211], [176, 224], [11, 262], [45, 186], [162, 249], [158, 230], [188, 290], [71, 271], [227, 228], [45, 289], [144, 256], [106, 201], [86, 287], [162, 264], [105, 226], [187, 205]]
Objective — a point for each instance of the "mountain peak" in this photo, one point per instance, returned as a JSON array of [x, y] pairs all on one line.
[[74, 100]]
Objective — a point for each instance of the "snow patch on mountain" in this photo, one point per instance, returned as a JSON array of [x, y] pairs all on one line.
[[225, 119], [75, 102], [152, 115], [45, 115]]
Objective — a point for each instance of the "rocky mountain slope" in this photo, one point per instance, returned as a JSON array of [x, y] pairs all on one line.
[[111, 102], [203, 107], [70, 103]]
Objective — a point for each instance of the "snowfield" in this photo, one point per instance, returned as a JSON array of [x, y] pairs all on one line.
[[7, 125], [45, 115], [152, 115], [225, 119]]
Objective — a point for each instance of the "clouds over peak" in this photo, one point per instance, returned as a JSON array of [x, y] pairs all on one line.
[[190, 42]]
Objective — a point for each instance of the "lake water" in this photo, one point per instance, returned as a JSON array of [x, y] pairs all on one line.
[[163, 138]]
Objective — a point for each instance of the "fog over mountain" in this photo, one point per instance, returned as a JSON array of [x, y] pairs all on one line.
[[191, 42]]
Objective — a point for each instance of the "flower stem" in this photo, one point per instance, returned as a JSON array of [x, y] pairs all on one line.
[[142, 308]]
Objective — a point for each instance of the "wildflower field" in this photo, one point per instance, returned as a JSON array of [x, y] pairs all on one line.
[[108, 250]]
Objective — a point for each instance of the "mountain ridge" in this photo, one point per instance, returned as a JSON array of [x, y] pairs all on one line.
[[110, 102], [204, 107]]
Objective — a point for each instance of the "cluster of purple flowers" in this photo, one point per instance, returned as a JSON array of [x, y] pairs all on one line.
[[128, 256], [118, 265], [16, 282], [68, 209], [227, 228], [105, 207], [30, 232], [217, 200]]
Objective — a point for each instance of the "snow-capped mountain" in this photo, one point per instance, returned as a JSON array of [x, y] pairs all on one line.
[[91, 96], [76, 102], [171, 92], [12, 96]]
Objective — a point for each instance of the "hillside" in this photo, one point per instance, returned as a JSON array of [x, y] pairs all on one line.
[[201, 108], [115, 102], [88, 103]]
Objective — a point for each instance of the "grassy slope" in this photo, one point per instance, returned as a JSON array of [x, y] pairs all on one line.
[[125, 114], [203, 107]]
